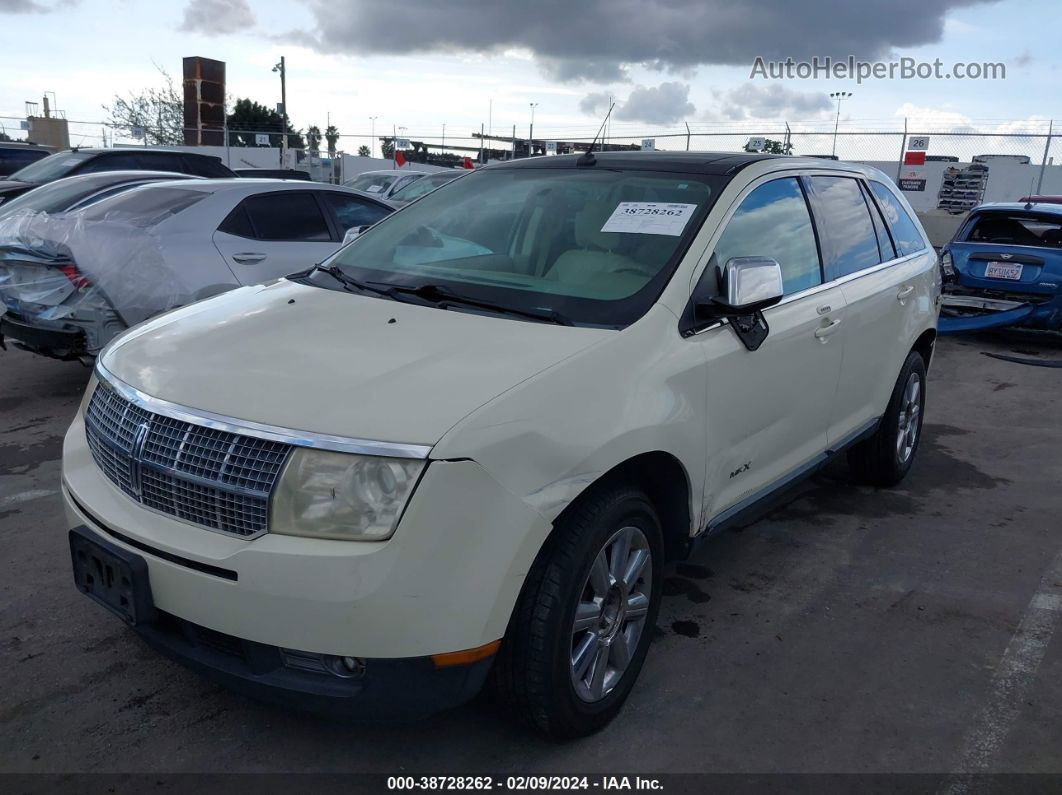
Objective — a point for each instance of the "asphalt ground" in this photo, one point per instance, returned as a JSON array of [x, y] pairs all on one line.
[[850, 631]]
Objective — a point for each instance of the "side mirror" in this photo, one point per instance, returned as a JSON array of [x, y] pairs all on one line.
[[747, 286], [353, 232]]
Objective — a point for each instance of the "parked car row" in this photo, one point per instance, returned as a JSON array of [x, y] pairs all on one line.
[[461, 448], [84, 257]]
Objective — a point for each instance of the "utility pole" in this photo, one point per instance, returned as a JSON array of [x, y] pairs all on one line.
[[531, 132], [280, 67], [1043, 163], [839, 96], [372, 143], [443, 147]]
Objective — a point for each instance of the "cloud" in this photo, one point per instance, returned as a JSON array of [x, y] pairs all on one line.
[[594, 104], [594, 39], [665, 104], [32, 6], [1023, 60], [214, 17], [770, 101]]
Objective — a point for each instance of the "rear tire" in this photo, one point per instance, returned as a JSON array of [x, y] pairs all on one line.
[[579, 633], [885, 458]]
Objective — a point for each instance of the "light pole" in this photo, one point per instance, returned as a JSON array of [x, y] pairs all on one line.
[[372, 143], [283, 108], [839, 96], [531, 131]]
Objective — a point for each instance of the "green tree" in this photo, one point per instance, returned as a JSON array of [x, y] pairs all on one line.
[[248, 119], [313, 138], [387, 148], [363, 151], [332, 136], [773, 147], [155, 113]]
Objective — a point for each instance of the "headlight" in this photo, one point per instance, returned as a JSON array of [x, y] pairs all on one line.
[[322, 494]]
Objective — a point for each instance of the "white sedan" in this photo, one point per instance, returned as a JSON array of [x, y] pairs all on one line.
[[69, 284]]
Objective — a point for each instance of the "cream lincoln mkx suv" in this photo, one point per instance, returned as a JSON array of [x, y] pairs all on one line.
[[464, 446]]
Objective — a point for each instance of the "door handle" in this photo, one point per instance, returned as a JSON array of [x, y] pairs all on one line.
[[249, 257], [904, 292], [825, 331]]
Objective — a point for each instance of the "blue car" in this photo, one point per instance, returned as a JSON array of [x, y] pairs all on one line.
[[1004, 268]]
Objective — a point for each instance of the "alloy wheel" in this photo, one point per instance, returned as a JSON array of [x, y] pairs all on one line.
[[611, 613], [908, 425]]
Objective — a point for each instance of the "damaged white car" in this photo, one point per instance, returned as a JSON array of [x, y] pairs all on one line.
[[70, 282]]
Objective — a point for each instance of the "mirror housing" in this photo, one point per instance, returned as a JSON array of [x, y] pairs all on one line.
[[748, 285]]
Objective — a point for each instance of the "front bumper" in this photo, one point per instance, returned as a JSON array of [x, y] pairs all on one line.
[[446, 581], [374, 689]]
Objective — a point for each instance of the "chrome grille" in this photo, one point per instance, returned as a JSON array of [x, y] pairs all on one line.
[[209, 477]]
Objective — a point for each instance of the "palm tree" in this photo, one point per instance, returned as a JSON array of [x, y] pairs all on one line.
[[332, 136], [313, 138], [363, 151]]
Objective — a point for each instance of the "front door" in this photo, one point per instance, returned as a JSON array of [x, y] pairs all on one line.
[[768, 409]]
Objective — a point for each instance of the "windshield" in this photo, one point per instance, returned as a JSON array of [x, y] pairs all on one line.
[[592, 244], [51, 167], [422, 186], [373, 183]]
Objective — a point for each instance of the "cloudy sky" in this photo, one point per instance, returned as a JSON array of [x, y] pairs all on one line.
[[425, 63]]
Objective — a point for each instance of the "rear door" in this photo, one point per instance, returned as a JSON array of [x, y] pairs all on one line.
[[272, 234], [882, 276]]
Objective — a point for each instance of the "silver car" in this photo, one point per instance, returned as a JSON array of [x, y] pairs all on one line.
[[384, 184], [70, 282]]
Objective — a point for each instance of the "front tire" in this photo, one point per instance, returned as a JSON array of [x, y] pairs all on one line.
[[885, 458], [584, 621]]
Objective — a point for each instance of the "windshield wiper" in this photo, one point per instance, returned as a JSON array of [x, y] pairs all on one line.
[[443, 296], [349, 281]]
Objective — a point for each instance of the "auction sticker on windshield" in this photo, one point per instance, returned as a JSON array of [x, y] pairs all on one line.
[[649, 218]]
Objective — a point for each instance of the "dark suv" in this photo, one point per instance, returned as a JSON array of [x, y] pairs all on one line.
[[17, 155], [89, 161]]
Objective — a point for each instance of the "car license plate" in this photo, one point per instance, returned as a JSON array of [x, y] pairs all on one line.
[[1003, 270], [110, 575]]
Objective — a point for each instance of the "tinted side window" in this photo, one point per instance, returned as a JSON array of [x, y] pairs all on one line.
[[351, 211], [773, 221], [11, 160], [238, 223], [205, 167], [287, 216], [162, 161], [885, 247], [904, 230], [846, 232], [112, 161]]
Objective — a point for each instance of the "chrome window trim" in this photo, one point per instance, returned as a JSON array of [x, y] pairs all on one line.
[[297, 438]]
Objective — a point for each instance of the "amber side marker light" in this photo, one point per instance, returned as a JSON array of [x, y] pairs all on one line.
[[466, 657]]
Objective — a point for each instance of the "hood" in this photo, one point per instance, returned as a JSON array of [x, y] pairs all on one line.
[[319, 360]]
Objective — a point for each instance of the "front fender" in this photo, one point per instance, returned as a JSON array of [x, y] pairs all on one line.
[[547, 439]]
